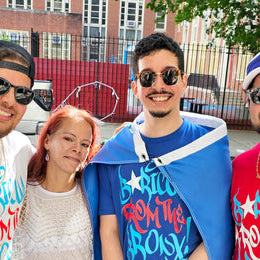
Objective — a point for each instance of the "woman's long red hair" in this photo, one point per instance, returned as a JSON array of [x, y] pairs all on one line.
[[37, 165]]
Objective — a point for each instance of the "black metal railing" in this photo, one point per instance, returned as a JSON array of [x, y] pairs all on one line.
[[214, 87]]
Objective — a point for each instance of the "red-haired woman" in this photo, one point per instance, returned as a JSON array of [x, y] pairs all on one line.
[[55, 221]]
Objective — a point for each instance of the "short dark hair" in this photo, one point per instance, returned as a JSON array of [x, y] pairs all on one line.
[[153, 42]]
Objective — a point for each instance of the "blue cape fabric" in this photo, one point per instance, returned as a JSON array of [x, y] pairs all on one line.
[[200, 172], [90, 189]]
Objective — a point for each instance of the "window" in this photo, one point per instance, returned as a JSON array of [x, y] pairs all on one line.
[[23, 4], [93, 49], [130, 35], [194, 30], [161, 22], [122, 19], [131, 11], [94, 16], [95, 12], [62, 6], [131, 14], [185, 33], [131, 19], [131, 28], [56, 46], [19, 37], [140, 15], [204, 35], [94, 32]]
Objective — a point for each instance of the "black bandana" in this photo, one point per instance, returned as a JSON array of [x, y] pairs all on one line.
[[15, 66]]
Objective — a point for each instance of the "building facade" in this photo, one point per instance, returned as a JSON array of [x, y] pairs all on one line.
[[58, 21], [86, 29], [80, 41], [126, 19]]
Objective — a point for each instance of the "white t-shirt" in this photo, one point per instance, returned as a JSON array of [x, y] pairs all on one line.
[[15, 154], [53, 226]]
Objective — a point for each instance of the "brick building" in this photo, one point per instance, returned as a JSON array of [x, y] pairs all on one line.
[[83, 41], [126, 19], [80, 29]]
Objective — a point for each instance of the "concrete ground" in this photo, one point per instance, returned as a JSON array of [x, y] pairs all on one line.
[[239, 140], [242, 140]]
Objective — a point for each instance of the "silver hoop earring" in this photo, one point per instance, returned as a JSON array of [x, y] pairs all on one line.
[[47, 158]]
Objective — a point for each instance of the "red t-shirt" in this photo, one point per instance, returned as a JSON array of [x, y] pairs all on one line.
[[245, 200]]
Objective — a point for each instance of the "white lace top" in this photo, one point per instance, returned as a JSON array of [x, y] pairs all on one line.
[[53, 226]]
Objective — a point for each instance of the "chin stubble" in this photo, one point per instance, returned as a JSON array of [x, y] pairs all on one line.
[[257, 126], [159, 114]]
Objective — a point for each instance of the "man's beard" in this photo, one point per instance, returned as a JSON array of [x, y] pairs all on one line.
[[257, 128], [159, 114], [5, 132], [257, 125]]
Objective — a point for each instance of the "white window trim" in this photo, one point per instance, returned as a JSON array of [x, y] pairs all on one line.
[[137, 27], [63, 10], [25, 4], [50, 47], [164, 22], [22, 40]]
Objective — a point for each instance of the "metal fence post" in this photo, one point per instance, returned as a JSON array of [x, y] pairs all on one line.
[[225, 84], [34, 43]]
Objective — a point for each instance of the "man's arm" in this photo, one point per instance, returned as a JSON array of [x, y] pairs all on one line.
[[199, 253], [110, 239]]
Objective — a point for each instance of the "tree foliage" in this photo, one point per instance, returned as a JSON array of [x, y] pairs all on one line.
[[237, 21]]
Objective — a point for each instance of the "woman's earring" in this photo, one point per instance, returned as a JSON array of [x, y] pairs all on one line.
[[47, 158]]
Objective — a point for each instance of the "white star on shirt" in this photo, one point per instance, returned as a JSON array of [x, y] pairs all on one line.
[[134, 182], [248, 206]]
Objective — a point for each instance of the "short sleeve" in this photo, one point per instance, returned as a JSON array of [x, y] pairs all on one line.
[[106, 205]]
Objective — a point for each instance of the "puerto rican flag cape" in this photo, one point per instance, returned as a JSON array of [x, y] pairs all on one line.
[[200, 172]]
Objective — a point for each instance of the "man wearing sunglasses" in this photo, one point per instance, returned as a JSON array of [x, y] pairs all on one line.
[[16, 80], [245, 191], [165, 179]]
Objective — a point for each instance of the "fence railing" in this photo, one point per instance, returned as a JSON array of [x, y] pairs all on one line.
[[215, 81]]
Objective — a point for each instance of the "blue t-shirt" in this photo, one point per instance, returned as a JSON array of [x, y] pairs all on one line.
[[154, 223]]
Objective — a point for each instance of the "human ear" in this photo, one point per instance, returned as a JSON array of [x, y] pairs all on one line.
[[135, 89], [184, 82]]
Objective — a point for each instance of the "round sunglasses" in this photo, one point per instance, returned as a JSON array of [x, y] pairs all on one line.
[[22, 95], [253, 95], [169, 76]]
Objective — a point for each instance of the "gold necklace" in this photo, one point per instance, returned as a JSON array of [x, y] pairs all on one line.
[[2, 167], [257, 167]]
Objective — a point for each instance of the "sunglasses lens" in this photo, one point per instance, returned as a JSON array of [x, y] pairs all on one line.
[[23, 95], [147, 79], [170, 77], [255, 96], [4, 86]]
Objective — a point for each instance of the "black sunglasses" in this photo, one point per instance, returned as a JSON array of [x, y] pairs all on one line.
[[170, 77], [253, 95], [22, 95]]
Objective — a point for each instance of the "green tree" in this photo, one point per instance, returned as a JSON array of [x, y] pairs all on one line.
[[237, 21]]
